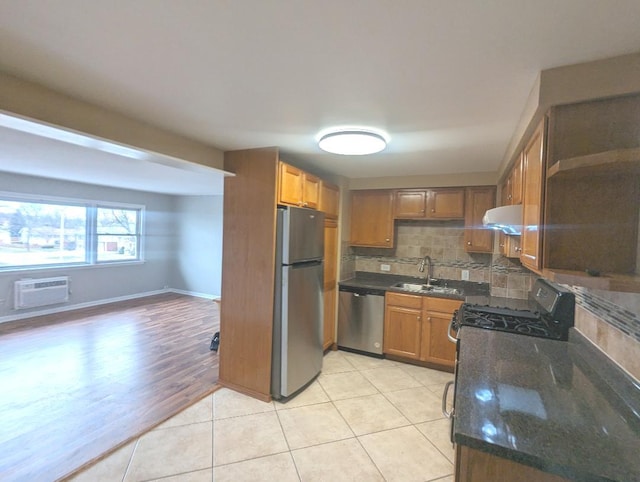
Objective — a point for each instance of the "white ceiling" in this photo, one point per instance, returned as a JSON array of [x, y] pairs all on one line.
[[447, 80]]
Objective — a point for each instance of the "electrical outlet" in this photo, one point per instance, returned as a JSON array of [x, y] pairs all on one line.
[[385, 267], [464, 275]]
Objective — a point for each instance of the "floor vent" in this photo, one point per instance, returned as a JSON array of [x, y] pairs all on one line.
[[30, 293]]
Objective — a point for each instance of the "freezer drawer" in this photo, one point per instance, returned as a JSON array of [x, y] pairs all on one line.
[[361, 320]]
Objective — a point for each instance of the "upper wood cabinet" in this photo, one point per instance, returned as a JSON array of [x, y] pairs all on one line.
[[329, 200], [515, 181], [533, 158], [445, 204], [511, 193], [298, 188], [592, 194], [429, 204], [477, 238], [410, 204], [372, 219]]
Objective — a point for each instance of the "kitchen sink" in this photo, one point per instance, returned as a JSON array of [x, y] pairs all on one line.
[[421, 288]]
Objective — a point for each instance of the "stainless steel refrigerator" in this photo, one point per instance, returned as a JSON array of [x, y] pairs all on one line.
[[298, 307]]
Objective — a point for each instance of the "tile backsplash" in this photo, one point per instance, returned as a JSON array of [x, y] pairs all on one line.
[[611, 321], [443, 241]]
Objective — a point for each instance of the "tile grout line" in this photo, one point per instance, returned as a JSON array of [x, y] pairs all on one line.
[[286, 441]]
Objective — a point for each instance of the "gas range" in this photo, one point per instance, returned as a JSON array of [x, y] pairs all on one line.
[[551, 314]]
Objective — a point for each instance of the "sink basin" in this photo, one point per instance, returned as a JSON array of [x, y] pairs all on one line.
[[419, 288]]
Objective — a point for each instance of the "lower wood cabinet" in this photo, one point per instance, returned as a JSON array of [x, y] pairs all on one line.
[[402, 325], [436, 346], [415, 327], [476, 466]]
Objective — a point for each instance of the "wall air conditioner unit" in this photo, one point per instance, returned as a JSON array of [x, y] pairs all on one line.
[[30, 293]]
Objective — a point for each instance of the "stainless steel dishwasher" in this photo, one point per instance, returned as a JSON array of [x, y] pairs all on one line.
[[361, 319]]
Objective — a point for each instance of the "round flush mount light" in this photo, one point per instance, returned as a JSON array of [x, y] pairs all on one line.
[[352, 141]]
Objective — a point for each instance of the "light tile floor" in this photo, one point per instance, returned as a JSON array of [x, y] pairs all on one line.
[[363, 419]]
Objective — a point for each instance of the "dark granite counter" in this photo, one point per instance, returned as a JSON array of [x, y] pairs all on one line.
[[479, 291], [561, 407]]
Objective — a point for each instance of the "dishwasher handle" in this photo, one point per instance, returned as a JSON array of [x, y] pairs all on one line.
[[360, 291]]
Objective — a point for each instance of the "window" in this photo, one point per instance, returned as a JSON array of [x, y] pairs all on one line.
[[117, 235], [40, 233]]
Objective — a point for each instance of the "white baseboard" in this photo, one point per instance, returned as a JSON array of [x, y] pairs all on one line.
[[77, 306], [195, 293]]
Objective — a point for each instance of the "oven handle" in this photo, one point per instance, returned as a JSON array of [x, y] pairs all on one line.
[[444, 400], [452, 339]]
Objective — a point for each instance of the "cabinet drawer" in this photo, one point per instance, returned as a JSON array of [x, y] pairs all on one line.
[[408, 301], [441, 305]]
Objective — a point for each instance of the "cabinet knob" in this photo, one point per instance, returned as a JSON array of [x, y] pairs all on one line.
[[518, 249], [422, 211], [433, 210], [387, 240], [428, 318], [419, 318], [468, 243]]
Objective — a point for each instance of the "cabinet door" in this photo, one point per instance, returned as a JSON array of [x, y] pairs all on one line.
[[445, 204], [330, 280], [372, 218], [402, 328], [290, 185], [410, 204], [329, 200], [310, 191], [473, 465], [516, 182], [435, 344], [477, 238], [532, 197]]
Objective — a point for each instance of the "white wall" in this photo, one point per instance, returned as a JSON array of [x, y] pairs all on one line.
[[90, 284], [199, 244]]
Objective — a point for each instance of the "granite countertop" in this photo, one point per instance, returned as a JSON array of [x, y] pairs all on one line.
[[469, 290], [562, 407]]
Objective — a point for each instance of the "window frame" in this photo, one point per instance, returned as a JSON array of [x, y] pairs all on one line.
[[91, 230]]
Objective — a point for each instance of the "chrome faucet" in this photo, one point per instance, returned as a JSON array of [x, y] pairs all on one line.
[[427, 259]]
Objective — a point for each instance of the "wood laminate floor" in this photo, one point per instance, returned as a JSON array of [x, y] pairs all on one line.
[[76, 385]]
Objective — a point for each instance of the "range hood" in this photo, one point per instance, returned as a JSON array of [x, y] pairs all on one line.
[[507, 219]]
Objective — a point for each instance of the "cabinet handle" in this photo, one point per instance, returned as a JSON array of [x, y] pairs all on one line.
[[444, 400]]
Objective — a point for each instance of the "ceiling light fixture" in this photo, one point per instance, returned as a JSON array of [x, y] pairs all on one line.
[[352, 141]]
